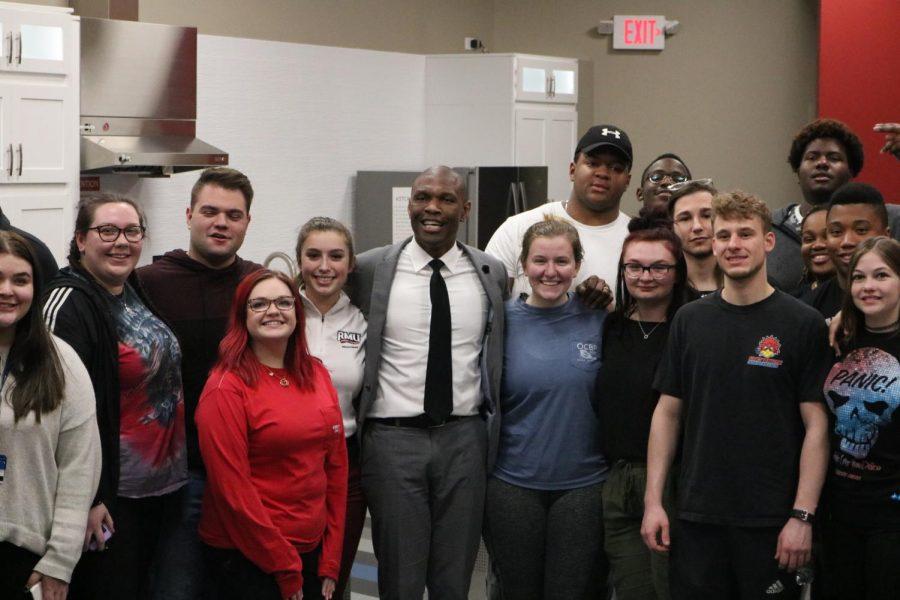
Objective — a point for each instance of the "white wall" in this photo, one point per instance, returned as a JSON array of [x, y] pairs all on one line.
[[299, 120]]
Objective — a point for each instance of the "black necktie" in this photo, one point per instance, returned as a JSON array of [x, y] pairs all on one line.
[[439, 373]]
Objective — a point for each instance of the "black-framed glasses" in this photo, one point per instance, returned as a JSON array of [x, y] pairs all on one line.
[[706, 181], [657, 270], [657, 176], [110, 233], [263, 304]]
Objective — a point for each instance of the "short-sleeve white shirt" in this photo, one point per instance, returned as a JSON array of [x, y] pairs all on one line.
[[602, 245]]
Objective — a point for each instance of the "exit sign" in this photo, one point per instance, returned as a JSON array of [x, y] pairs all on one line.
[[639, 32]]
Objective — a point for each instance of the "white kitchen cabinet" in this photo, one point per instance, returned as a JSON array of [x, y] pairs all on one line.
[[547, 137], [480, 111], [45, 213], [35, 41], [39, 144], [553, 80], [42, 152]]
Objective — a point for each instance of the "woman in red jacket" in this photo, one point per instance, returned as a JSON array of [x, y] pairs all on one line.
[[272, 439]]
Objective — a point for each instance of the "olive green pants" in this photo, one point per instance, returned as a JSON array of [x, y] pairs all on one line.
[[636, 572]]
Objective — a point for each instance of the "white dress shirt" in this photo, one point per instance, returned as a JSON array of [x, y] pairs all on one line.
[[404, 353]]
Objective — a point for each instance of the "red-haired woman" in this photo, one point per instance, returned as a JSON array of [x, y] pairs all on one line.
[[272, 438]]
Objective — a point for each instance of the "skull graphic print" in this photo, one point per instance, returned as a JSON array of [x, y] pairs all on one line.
[[863, 391]]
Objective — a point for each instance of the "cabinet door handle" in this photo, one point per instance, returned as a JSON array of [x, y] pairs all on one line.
[[10, 160], [21, 160], [19, 56], [552, 85], [9, 55]]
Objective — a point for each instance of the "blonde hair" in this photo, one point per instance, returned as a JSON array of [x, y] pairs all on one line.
[[741, 205], [552, 227]]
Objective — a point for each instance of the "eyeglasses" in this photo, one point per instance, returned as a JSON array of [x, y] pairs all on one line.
[[263, 304], [110, 233], [656, 177], [686, 182], [657, 270]]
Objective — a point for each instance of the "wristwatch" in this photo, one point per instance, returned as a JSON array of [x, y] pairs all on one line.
[[803, 515]]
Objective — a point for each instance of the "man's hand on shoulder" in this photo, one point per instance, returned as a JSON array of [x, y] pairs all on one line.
[[595, 293]]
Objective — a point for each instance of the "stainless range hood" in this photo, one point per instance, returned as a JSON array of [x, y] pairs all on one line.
[[139, 99]]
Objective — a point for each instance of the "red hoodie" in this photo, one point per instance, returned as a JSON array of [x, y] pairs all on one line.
[[276, 466]]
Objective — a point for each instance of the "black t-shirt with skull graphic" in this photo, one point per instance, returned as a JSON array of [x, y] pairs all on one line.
[[741, 373], [863, 392]]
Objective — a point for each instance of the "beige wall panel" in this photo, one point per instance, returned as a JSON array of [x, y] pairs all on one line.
[[424, 26], [728, 93]]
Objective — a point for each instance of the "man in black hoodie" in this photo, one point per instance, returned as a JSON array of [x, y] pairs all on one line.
[[825, 155], [193, 292]]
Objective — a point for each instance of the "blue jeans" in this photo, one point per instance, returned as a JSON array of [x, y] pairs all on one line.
[[179, 574]]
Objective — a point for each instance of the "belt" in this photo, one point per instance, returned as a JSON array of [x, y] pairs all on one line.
[[419, 422]]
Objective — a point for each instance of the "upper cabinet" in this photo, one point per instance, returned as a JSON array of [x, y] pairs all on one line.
[[36, 42], [546, 80]]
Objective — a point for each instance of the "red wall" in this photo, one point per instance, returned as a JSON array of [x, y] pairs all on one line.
[[859, 78]]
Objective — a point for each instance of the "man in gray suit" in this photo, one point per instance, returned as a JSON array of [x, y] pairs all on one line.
[[428, 409]]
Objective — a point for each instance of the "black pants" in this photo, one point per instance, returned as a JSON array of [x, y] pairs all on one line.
[[16, 565], [131, 560], [857, 563], [712, 562], [233, 577]]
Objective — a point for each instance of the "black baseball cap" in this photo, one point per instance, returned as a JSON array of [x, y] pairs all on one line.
[[605, 135]]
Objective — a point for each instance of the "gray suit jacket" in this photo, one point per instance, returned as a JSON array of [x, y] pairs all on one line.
[[370, 288]]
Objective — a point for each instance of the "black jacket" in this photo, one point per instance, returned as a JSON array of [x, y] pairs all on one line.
[[78, 310]]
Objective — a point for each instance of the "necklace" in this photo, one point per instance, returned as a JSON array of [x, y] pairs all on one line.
[[646, 334], [283, 382], [123, 302]]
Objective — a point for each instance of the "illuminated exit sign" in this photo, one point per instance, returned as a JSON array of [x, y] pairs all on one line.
[[639, 32]]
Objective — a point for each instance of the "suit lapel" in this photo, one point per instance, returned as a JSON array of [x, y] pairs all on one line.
[[488, 281], [382, 279]]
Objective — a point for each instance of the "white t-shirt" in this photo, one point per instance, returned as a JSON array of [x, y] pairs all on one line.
[[602, 245]]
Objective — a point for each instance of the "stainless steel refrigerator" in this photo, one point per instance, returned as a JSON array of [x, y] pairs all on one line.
[[379, 204]]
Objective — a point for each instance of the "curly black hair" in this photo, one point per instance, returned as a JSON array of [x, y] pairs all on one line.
[[828, 128]]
